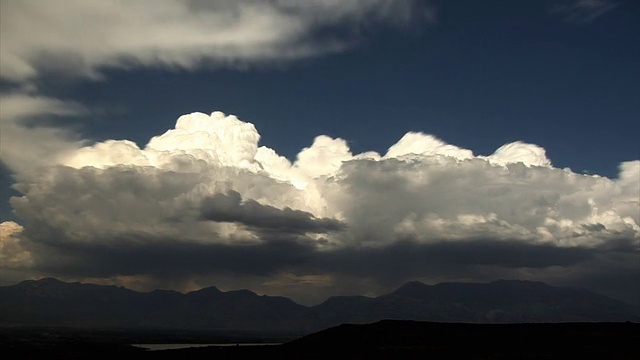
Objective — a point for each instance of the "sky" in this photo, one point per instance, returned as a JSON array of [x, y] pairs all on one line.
[[318, 148]]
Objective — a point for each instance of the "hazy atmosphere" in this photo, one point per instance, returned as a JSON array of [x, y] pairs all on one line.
[[317, 148]]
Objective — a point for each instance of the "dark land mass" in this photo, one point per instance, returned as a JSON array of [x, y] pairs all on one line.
[[383, 339], [52, 319], [53, 303]]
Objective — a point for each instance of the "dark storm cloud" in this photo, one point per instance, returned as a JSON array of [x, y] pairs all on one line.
[[230, 207], [612, 271], [171, 258], [399, 261], [391, 265], [409, 259]]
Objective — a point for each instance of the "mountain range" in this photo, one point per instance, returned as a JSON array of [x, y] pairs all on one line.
[[51, 302]]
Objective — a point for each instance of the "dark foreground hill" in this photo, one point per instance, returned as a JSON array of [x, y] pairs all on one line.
[[394, 338], [50, 302], [389, 339]]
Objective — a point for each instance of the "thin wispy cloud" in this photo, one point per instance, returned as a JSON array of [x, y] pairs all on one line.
[[39, 37], [584, 11]]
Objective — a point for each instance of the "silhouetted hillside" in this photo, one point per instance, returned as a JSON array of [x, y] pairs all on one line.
[[501, 301], [50, 302], [388, 339], [409, 339]]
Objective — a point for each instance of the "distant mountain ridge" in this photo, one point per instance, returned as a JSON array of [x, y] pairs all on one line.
[[51, 302]]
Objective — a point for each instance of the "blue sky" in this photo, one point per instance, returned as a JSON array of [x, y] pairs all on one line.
[[487, 73], [562, 75]]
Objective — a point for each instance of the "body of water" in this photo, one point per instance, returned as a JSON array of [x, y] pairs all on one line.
[[155, 347]]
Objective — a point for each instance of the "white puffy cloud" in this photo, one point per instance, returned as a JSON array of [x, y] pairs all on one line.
[[435, 198], [205, 197], [324, 157], [528, 154], [80, 37], [13, 253], [218, 140], [157, 191], [424, 144]]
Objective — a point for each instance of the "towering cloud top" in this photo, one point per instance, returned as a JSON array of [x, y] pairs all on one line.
[[423, 144], [528, 154]]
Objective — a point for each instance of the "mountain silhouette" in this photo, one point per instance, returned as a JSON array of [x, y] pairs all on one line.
[[50, 302], [55, 303]]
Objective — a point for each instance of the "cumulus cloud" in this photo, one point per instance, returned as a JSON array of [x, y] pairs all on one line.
[[205, 199], [16, 259], [528, 154], [39, 37], [424, 144], [13, 253]]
